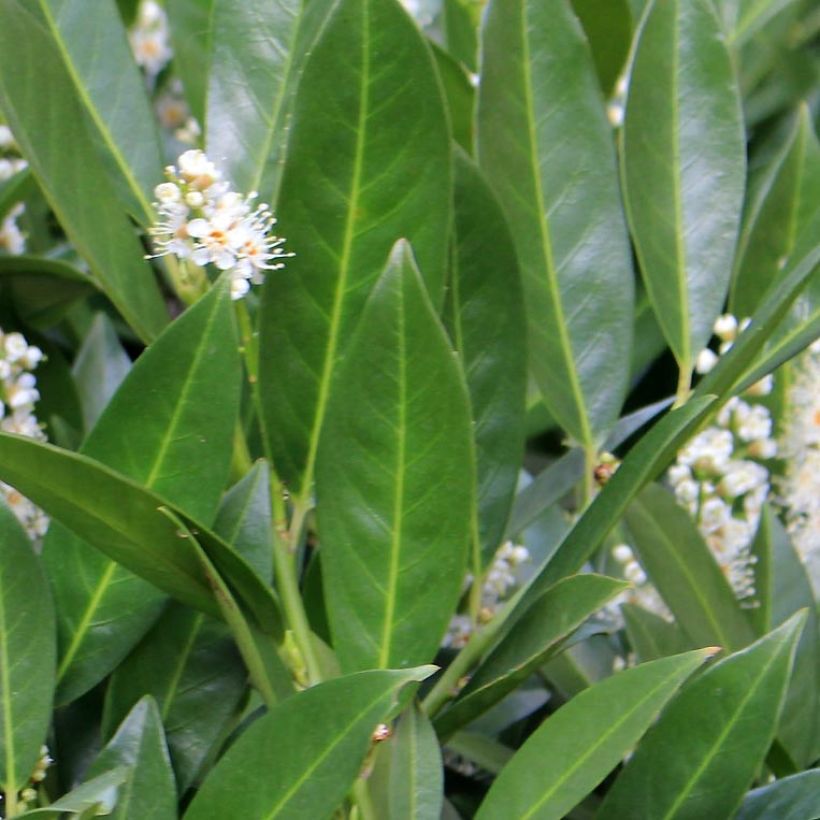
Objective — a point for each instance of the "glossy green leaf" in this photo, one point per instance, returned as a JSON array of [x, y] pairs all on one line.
[[608, 27], [368, 164], [87, 104], [244, 520], [684, 168], [311, 748], [792, 798], [139, 745], [782, 207], [485, 314], [90, 799], [191, 23], [189, 665], [651, 636], [27, 655], [459, 93], [701, 756], [88, 497], [584, 740], [546, 146], [416, 772], [684, 571], [258, 50], [99, 369], [395, 486], [535, 637], [173, 417]]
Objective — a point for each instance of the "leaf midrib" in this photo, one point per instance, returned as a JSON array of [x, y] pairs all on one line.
[[10, 784]]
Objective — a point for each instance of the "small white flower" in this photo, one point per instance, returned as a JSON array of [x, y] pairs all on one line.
[[726, 327], [15, 346], [150, 38], [705, 361], [762, 388], [622, 553], [6, 138]]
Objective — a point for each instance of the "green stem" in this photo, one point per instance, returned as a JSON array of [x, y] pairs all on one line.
[[684, 385], [188, 280], [588, 483], [241, 461], [364, 802], [12, 809]]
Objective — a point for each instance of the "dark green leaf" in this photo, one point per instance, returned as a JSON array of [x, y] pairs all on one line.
[[258, 50], [684, 168], [608, 27], [310, 747], [416, 777], [546, 146], [793, 798], [750, 16], [172, 418], [535, 637], [139, 744], [651, 636], [701, 756], [484, 752], [460, 23], [459, 93], [395, 484], [189, 664], [485, 316], [14, 189], [368, 164], [27, 656], [684, 571], [584, 740], [191, 24]]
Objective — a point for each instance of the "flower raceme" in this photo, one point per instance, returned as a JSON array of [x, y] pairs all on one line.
[[202, 220]]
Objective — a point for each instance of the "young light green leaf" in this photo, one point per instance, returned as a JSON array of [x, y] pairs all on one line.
[[700, 757], [546, 146], [189, 665], [368, 164], [397, 449], [101, 126], [584, 740], [416, 773], [172, 418], [27, 657], [651, 636], [311, 747], [484, 316], [792, 798], [682, 568], [536, 636], [258, 50], [684, 168], [139, 745]]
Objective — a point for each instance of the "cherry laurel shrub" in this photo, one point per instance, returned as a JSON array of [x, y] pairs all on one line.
[[409, 410]]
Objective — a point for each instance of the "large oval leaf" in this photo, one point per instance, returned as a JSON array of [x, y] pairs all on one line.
[[395, 480], [172, 418], [684, 168], [545, 145], [368, 164], [258, 49], [584, 740], [311, 748], [704, 751], [27, 656], [485, 316], [792, 798]]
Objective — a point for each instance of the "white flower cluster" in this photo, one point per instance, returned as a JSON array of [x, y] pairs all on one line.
[[150, 38], [12, 239], [201, 219], [18, 394], [799, 488], [500, 579], [10, 161]]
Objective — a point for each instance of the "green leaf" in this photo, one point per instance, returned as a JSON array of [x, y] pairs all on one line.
[[244, 520], [191, 23], [546, 146], [481, 750], [139, 745], [189, 665], [584, 740], [459, 94], [92, 798], [416, 771], [750, 16], [369, 163], [173, 417], [651, 636], [459, 19], [395, 486], [86, 103], [701, 756], [684, 571], [535, 637], [99, 368], [311, 748], [783, 206], [258, 50], [27, 656], [484, 317], [684, 168], [792, 798], [608, 27]]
